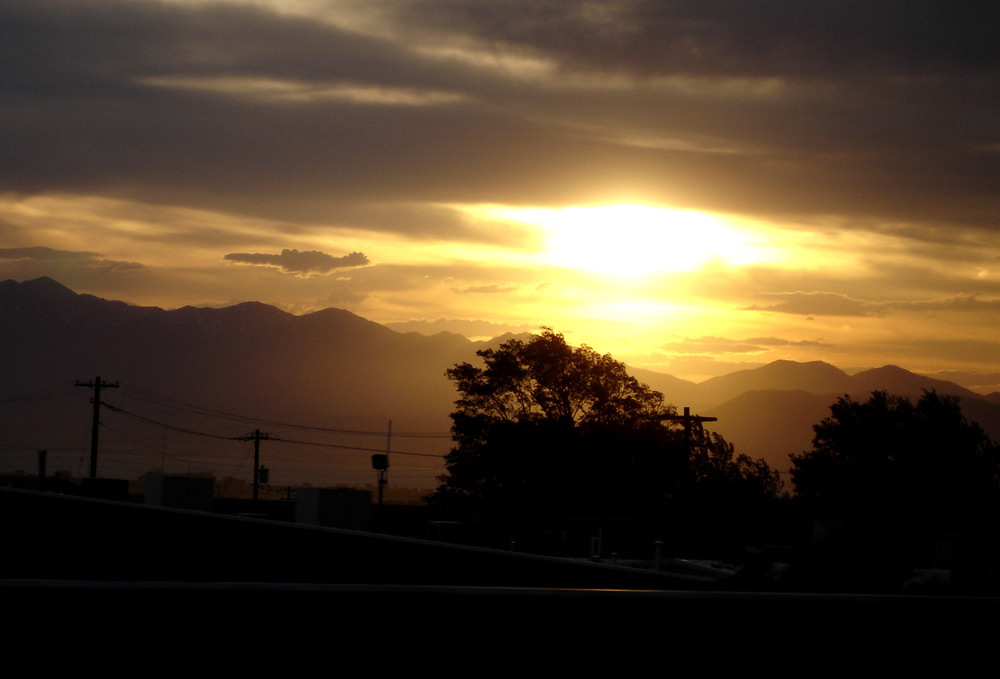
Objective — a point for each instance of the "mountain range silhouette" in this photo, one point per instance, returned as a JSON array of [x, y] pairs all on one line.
[[332, 369]]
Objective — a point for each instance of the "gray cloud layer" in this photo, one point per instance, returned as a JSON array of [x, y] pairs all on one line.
[[42, 253], [836, 304], [469, 328], [726, 345], [769, 37], [767, 107], [64, 261], [293, 261]]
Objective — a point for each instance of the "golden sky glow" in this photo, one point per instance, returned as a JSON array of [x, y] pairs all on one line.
[[655, 184], [633, 240], [647, 294]]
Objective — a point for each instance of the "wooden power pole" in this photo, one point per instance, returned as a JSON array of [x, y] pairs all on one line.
[[96, 385], [688, 419], [257, 436]]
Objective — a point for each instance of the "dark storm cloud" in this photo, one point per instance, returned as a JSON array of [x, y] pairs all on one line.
[[733, 37], [79, 116], [293, 261], [871, 104], [98, 47], [885, 111]]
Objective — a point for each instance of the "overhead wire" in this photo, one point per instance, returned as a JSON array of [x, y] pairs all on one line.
[[68, 390], [201, 410], [46, 394], [363, 449], [193, 432], [164, 424]]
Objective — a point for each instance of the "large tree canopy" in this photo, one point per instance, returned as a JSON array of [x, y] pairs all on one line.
[[547, 379], [891, 455], [542, 425], [906, 485]]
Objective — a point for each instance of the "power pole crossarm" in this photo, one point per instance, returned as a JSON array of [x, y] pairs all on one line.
[[689, 421], [257, 436]]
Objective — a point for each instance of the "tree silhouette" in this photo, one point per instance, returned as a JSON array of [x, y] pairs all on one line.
[[887, 454], [723, 479], [545, 426], [901, 477]]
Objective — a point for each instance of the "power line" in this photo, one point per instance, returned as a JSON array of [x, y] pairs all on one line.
[[274, 438], [359, 448], [181, 405], [197, 454], [257, 436], [47, 394], [165, 425]]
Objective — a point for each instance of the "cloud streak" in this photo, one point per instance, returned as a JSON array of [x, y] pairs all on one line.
[[725, 345], [816, 105], [43, 253], [293, 261], [178, 131], [836, 304], [67, 259]]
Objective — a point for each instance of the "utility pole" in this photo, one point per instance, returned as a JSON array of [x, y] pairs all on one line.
[[256, 437], [688, 419], [96, 385], [380, 463], [41, 469]]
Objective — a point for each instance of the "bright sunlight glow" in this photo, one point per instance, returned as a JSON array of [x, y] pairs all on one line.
[[633, 240]]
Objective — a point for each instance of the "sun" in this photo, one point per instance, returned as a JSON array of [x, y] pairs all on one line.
[[634, 240]]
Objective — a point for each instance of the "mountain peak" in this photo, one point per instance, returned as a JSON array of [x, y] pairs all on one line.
[[37, 298], [256, 308], [885, 371], [787, 364], [40, 286], [891, 368], [815, 377], [901, 381]]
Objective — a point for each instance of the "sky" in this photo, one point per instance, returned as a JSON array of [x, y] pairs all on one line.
[[694, 186]]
